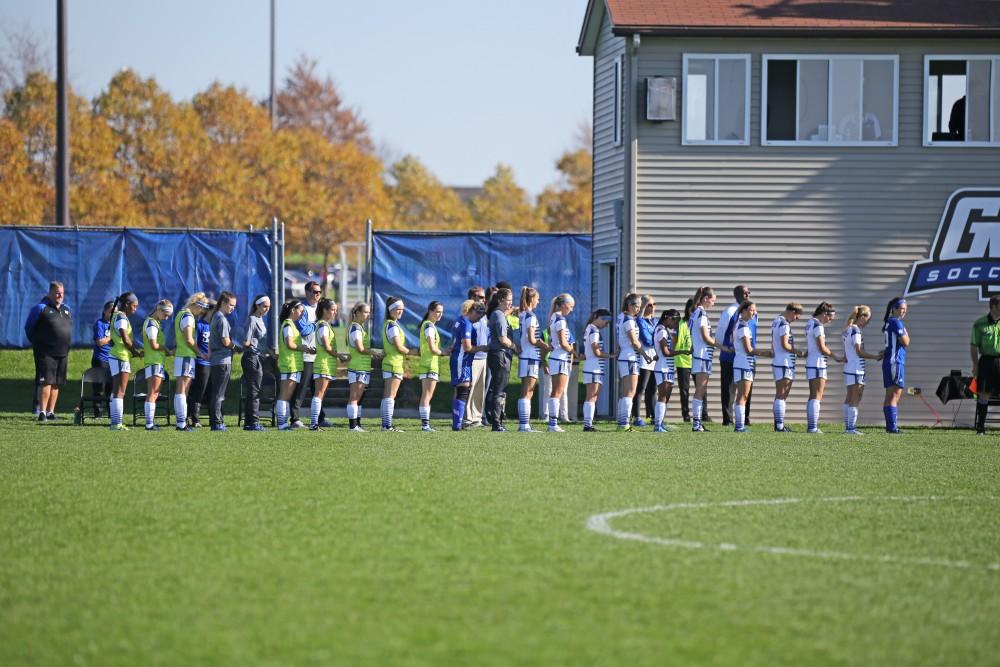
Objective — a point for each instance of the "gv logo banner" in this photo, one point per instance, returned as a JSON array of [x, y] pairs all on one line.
[[966, 250]]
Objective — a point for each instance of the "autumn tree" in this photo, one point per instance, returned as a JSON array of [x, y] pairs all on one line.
[[504, 205], [308, 101], [418, 200], [22, 194], [567, 206]]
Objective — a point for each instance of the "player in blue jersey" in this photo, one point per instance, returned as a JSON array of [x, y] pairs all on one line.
[[463, 349], [897, 339], [854, 365], [745, 352], [702, 350]]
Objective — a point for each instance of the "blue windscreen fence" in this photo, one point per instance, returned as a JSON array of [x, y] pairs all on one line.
[[422, 267], [95, 265]]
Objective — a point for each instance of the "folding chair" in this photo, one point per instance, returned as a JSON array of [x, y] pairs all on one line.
[[139, 397], [99, 377]]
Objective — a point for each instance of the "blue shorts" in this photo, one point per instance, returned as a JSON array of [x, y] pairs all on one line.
[[460, 373], [892, 374]]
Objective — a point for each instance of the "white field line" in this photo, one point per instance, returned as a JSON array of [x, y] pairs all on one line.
[[601, 523]]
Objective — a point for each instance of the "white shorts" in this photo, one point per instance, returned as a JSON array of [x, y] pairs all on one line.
[[527, 368], [783, 372], [389, 375], [558, 366], [593, 377], [701, 366], [815, 373], [295, 377], [430, 376], [668, 376], [117, 367], [626, 368], [854, 378], [322, 376], [362, 377], [154, 370], [184, 367], [742, 375]]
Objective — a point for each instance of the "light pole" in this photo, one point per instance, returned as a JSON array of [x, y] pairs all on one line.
[[62, 118], [270, 103]]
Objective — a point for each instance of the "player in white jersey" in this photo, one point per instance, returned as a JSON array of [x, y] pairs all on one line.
[[702, 350], [783, 365], [629, 352], [817, 356], [854, 365], [561, 356], [532, 347], [664, 343], [593, 368], [744, 361]]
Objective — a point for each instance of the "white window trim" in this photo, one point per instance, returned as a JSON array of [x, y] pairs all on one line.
[[618, 101], [764, 141], [994, 81], [745, 57]]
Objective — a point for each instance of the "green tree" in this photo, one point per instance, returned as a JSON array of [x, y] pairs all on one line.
[[504, 205]]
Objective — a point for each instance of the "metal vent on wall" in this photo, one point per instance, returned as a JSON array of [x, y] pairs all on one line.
[[661, 98]]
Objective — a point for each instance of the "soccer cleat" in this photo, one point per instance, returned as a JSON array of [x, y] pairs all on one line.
[[390, 429], [894, 431], [980, 432], [627, 428], [699, 429], [639, 423], [196, 424], [325, 424], [298, 424], [119, 427], [853, 431], [41, 417], [219, 427], [358, 429], [741, 430], [254, 427], [498, 429], [783, 429], [527, 429], [154, 427], [428, 429], [814, 431], [589, 429], [284, 427], [51, 416], [186, 429], [315, 428], [659, 429], [556, 429]]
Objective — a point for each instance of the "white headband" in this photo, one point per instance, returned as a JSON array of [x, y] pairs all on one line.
[[396, 306], [261, 300]]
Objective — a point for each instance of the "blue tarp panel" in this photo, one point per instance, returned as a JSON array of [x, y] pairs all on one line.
[[97, 265], [421, 267]]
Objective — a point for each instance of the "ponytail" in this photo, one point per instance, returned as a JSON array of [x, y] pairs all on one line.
[[558, 302], [823, 307], [895, 303], [357, 308], [497, 298], [745, 306], [323, 306], [701, 293], [430, 308], [527, 294], [288, 307], [224, 296], [599, 313], [630, 298], [390, 302]]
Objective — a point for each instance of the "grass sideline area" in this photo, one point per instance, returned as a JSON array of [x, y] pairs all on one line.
[[472, 549]]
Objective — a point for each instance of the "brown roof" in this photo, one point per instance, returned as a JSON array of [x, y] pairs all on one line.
[[903, 18]]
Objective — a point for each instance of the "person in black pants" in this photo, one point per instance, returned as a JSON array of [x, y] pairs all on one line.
[[497, 359], [221, 347], [199, 390], [254, 347], [50, 329]]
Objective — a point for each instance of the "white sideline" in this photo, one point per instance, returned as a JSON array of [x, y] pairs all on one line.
[[601, 523]]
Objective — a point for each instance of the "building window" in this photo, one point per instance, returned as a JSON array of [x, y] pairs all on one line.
[[838, 100], [716, 96], [962, 100], [619, 101]]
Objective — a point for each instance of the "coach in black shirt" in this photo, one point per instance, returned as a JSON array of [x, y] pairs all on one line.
[[50, 329]]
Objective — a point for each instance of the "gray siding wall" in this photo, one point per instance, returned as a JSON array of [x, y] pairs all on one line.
[[609, 159], [804, 223]]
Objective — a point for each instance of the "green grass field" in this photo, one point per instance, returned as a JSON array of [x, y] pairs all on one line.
[[472, 549]]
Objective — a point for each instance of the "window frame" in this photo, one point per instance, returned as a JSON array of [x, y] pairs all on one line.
[[994, 60], [829, 58], [716, 57], [617, 117]]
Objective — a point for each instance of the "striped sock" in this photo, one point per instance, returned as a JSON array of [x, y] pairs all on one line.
[[315, 407], [425, 415], [659, 413], [387, 408], [738, 415], [553, 411], [150, 409], [524, 413], [281, 408], [696, 407], [812, 414], [180, 410], [117, 405], [588, 413], [852, 416], [847, 417]]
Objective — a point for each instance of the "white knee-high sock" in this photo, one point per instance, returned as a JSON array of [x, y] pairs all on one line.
[[281, 408], [852, 417], [627, 410], [812, 414], [779, 413], [180, 410], [315, 407], [425, 415], [523, 413], [553, 411], [739, 412], [117, 404], [588, 413], [388, 406], [150, 409], [352, 410], [659, 413], [696, 407], [847, 417]]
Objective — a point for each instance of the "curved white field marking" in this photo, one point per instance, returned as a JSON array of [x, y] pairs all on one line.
[[601, 523]]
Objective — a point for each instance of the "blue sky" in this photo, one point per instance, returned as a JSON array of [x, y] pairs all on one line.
[[461, 84]]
